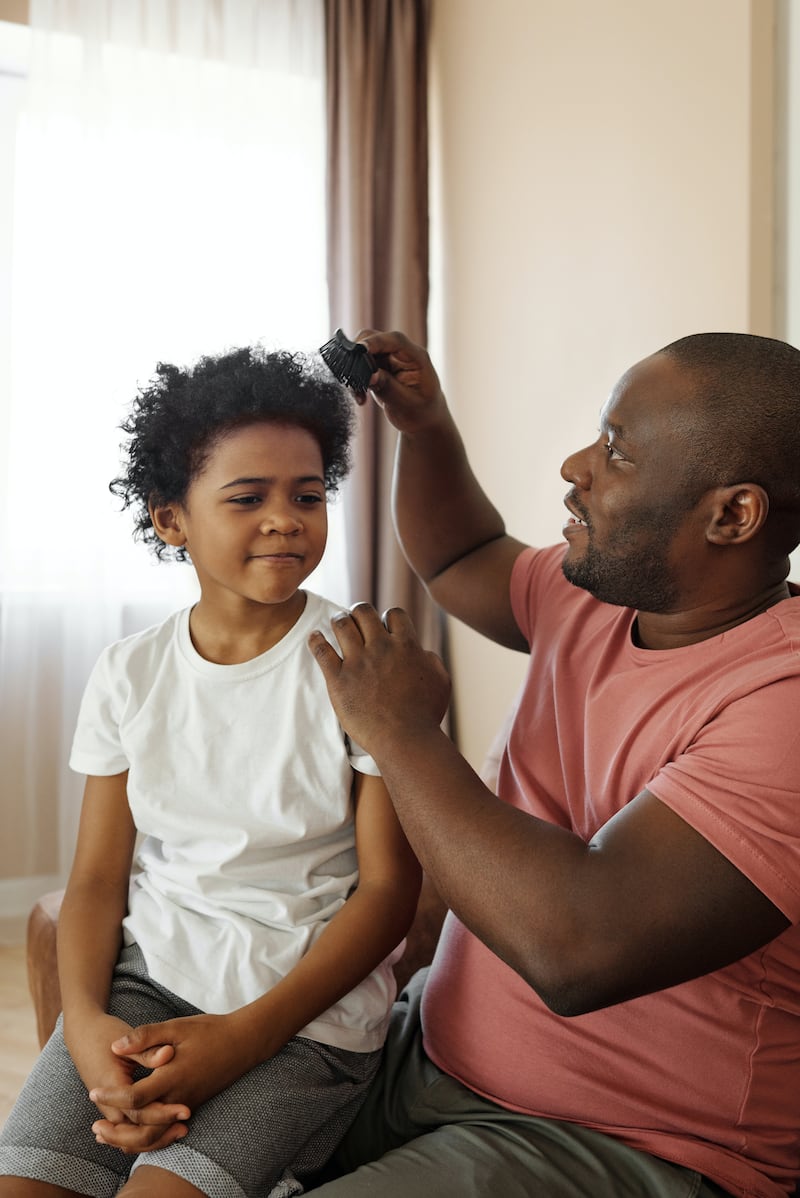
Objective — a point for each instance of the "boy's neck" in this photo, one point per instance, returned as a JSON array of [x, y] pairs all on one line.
[[231, 637]]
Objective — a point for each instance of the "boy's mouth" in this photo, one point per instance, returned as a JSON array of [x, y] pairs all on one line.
[[276, 557]]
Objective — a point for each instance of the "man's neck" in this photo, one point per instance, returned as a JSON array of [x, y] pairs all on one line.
[[677, 629]]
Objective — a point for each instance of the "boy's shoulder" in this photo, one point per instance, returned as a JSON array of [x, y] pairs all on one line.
[[319, 608], [149, 644]]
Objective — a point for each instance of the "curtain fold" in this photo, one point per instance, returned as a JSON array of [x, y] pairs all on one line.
[[377, 213]]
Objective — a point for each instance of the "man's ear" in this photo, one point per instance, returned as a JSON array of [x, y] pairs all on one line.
[[167, 521], [737, 514]]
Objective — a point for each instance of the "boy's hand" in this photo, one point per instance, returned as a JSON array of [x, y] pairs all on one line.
[[384, 684], [405, 384], [209, 1053], [139, 1130]]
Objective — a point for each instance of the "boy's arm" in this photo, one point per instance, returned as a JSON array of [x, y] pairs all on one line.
[[213, 1051], [451, 533], [89, 939], [95, 901]]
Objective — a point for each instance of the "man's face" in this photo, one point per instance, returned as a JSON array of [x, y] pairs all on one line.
[[631, 524]]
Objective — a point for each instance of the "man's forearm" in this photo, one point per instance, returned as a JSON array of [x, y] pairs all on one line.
[[503, 873]]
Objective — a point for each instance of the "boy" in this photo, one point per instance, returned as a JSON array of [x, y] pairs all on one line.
[[273, 885]]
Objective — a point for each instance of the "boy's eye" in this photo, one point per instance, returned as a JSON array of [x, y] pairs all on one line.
[[245, 500], [310, 498]]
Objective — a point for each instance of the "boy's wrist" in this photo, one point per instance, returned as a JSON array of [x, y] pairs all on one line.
[[253, 1030], [83, 1021]]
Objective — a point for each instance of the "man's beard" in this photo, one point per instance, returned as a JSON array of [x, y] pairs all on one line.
[[636, 573]]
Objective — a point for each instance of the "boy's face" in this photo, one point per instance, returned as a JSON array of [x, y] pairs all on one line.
[[255, 519]]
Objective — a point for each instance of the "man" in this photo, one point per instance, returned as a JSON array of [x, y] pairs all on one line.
[[614, 1007]]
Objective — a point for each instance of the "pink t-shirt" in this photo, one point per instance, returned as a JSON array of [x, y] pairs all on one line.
[[705, 1074]]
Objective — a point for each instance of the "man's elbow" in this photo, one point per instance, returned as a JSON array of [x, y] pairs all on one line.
[[572, 984]]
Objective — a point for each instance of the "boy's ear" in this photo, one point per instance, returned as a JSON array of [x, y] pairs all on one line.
[[167, 522], [738, 513]]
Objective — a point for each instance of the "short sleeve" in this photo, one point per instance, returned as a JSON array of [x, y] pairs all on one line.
[[96, 747], [361, 762], [536, 578], [738, 785]]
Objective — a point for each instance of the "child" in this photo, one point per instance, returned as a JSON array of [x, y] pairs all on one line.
[[251, 946]]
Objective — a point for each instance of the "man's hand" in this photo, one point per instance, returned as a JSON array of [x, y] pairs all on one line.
[[384, 683], [405, 384], [209, 1053]]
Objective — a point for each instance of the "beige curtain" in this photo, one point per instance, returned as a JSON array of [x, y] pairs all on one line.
[[378, 251]]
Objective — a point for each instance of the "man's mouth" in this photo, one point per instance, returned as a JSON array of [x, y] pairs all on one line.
[[577, 514]]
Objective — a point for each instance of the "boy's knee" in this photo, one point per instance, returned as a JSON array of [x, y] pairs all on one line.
[[152, 1182]]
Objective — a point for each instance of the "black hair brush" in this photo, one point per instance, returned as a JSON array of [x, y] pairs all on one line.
[[348, 361]]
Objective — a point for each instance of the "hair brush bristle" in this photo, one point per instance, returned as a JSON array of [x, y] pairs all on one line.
[[348, 361]]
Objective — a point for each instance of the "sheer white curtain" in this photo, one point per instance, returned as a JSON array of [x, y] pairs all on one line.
[[169, 201]]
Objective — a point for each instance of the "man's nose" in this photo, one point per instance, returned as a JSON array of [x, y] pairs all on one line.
[[576, 469]]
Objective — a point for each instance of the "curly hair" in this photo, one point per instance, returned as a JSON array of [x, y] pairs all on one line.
[[178, 418]]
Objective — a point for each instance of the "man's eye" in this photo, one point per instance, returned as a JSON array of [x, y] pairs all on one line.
[[611, 451]]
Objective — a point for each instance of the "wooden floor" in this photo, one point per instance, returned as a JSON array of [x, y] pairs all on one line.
[[18, 1045]]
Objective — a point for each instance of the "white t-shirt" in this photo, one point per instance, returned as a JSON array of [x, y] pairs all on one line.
[[240, 784]]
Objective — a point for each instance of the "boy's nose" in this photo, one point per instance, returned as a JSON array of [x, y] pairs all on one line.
[[282, 522]]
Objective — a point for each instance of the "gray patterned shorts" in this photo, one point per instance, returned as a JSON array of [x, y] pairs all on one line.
[[285, 1116]]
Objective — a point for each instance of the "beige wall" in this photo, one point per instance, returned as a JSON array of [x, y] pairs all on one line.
[[14, 10], [602, 186], [787, 263]]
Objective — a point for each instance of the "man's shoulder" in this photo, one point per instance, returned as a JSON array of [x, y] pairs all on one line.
[[787, 616], [534, 567]]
